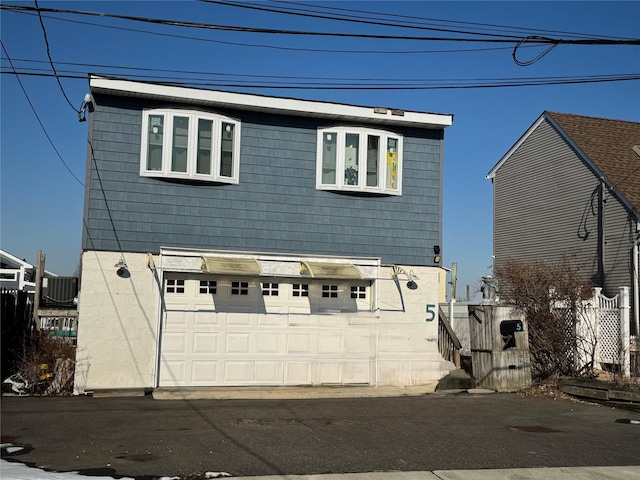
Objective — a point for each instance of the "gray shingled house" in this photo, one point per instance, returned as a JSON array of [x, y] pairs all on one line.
[[570, 186], [245, 240]]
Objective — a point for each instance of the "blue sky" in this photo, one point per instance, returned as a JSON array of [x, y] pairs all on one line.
[[42, 202]]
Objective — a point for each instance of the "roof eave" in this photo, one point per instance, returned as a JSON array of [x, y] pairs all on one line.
[[260, 103]]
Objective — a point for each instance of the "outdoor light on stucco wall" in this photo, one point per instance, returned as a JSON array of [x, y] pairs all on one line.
[[122, 271], [436, 252]]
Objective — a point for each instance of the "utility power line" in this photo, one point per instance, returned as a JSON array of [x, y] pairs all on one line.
[[441, 84], [235, 28], [429, 21], [35, 112], [387, 20]]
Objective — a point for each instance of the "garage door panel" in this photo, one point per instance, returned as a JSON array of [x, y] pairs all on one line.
[[174, 342], [267, 343], [177, 319], [205, 343], [330, 343], [204, 372], [271, 321], [269, 372], [299, 343], [237, 343], [297, 373], [238, 372], [173, 372], [206, 318], [356, 372], [236, 320], [329, 373], [358, 343]]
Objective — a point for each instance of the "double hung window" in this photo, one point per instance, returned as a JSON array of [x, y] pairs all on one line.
[[191, 145], [359, 159]]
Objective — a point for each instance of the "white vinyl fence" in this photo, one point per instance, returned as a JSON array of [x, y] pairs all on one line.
[[604, 331]]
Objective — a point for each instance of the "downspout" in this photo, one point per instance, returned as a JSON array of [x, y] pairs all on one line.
[[636, 285], [601, 236]]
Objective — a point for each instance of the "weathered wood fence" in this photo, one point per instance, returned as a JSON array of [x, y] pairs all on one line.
[[16, 316]]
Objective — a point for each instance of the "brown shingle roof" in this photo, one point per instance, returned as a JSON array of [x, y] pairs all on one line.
[[609, 145]]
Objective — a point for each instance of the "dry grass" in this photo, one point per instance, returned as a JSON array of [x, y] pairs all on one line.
[[548, 389]]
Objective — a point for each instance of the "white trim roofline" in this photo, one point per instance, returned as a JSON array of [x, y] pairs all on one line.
[[262, 103], [521, 140], [546, 116], [598, 172], [17, 260]]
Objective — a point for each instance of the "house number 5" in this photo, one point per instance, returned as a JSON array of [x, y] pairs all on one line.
[[431, 312]]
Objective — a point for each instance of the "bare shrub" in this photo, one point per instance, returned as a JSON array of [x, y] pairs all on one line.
[[552, 297], [47, 365]]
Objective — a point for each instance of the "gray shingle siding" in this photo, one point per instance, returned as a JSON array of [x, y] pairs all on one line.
[[619, 235], [274, 208], [546, 206]]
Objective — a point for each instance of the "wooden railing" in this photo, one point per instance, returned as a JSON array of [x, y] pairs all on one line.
[[448, 344]]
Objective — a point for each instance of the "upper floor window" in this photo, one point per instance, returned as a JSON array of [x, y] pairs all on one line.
[[359, 159], [190, 144]]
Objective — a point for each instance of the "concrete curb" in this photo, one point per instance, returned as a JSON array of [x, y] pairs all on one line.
[[263, 393], [547, 473]]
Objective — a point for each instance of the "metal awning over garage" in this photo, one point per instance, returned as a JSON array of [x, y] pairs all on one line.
[[329, 270], [230, 265]]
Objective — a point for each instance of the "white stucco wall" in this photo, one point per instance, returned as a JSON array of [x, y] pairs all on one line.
[[119, 317], [407, 342], [118, 327]]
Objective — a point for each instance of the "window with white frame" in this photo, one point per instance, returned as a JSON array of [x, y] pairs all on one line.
[[358, 291], [191, 145], [300, 290], [270, 289], [208, 287], [239, 288], [329, 291], [359, 159], [174, 285]]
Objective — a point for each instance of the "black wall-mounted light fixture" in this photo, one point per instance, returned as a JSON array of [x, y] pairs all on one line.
[[436, 254], [123, 270]]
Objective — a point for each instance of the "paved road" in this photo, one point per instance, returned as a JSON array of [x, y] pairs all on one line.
[[141, 436]]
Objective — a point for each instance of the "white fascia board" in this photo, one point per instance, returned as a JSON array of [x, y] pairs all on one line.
[[16, 260], [279, 105]]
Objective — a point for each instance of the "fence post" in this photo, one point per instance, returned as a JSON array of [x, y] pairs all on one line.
[[597, 307], [623, 305]]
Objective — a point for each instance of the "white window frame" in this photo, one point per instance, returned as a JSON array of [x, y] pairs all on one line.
[[167, 138], [363, 133]]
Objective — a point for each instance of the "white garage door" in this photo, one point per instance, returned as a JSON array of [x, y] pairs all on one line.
[[224, 331]]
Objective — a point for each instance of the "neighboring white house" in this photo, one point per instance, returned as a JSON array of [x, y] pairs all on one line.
[[15, 273]]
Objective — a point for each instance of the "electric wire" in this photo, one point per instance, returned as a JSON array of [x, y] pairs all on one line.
[[39, 120], [243, 77], [208, 73], [235, 28], [53, 67], [514, 82], [414, 20], [526, 63], [359, 21], [278, 47]]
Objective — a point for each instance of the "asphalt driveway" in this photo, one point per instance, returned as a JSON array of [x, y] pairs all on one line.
[[142, 437]]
